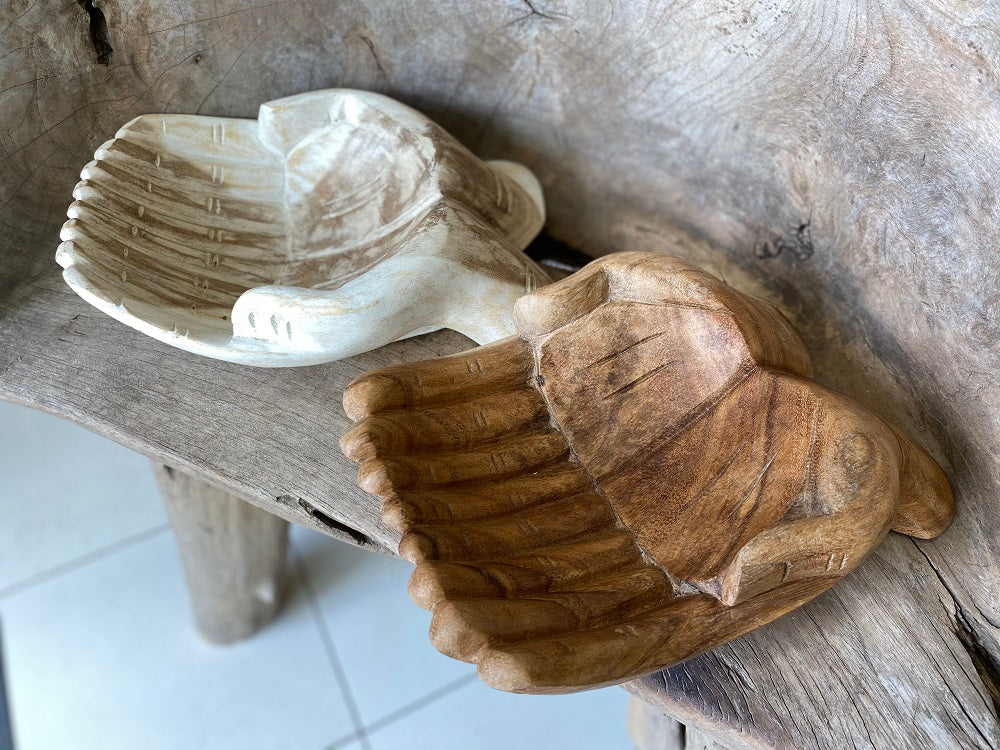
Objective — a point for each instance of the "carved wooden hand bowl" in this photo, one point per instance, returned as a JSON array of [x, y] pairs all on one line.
[[337, 222], [645, 472]]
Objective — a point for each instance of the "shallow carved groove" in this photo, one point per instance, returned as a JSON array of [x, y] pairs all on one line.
[[644, 473]]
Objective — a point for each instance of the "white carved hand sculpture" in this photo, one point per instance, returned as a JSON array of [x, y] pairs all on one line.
[[337, 222]]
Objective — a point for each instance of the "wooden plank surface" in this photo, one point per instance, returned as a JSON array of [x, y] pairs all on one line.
[[837, 158]]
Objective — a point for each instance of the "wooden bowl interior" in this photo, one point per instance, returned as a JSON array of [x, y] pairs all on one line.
[[180, 215]]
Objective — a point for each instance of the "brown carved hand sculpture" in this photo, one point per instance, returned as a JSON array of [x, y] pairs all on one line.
[[644, 473]]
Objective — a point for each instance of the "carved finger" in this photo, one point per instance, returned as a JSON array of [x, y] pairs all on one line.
[[481, 467], [147, 211], [556, 305], [555, 567], [524, 531], [166, 269], [633, 277], [401, 508], [824, 547], [617, 652], [525, 179], [926, 503], [453, 427], [462, 627], [488, 370]]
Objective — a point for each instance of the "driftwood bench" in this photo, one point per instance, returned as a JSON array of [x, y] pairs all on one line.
[[838, 158]]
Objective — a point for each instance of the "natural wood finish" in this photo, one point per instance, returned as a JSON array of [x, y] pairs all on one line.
[[232, 552], [645, 473], [337, 222], [837, 158]]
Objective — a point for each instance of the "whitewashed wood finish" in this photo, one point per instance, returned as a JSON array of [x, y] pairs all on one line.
[[837, 158], [335, 223]]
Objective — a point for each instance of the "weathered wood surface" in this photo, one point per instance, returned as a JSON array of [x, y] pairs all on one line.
[[644, 472], [838, 158], [232, 552], [649, 729], [336, 222]]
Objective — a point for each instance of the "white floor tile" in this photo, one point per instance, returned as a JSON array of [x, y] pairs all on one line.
[[106, 657], [379, 633], [65, 492], [480, 718]]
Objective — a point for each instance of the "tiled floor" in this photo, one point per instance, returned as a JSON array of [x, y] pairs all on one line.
[[100, 651]]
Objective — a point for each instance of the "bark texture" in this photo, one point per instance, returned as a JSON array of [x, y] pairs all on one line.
[[838, 158]]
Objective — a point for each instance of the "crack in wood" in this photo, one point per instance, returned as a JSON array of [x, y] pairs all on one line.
[[331, 523], [378, 63], [533, 11], [99, 35], [986, 663]]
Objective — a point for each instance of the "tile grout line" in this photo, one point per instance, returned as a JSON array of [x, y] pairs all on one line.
[[401, 713], [69, 566], [331, 650], [432, 697]]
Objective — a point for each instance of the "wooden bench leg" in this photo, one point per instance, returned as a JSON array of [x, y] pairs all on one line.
[[233, 555], [650, 729]]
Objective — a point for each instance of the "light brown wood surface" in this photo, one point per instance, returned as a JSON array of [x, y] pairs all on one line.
[[838, 158], [646, 471]]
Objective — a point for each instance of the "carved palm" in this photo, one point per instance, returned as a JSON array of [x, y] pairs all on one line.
[[337, 222], [645, 472]]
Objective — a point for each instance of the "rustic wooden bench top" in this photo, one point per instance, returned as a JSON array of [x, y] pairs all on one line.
[[839, 160]]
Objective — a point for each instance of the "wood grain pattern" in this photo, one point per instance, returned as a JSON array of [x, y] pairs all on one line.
[[233, 555], [646, 472], [335, 223], [837, 158]]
